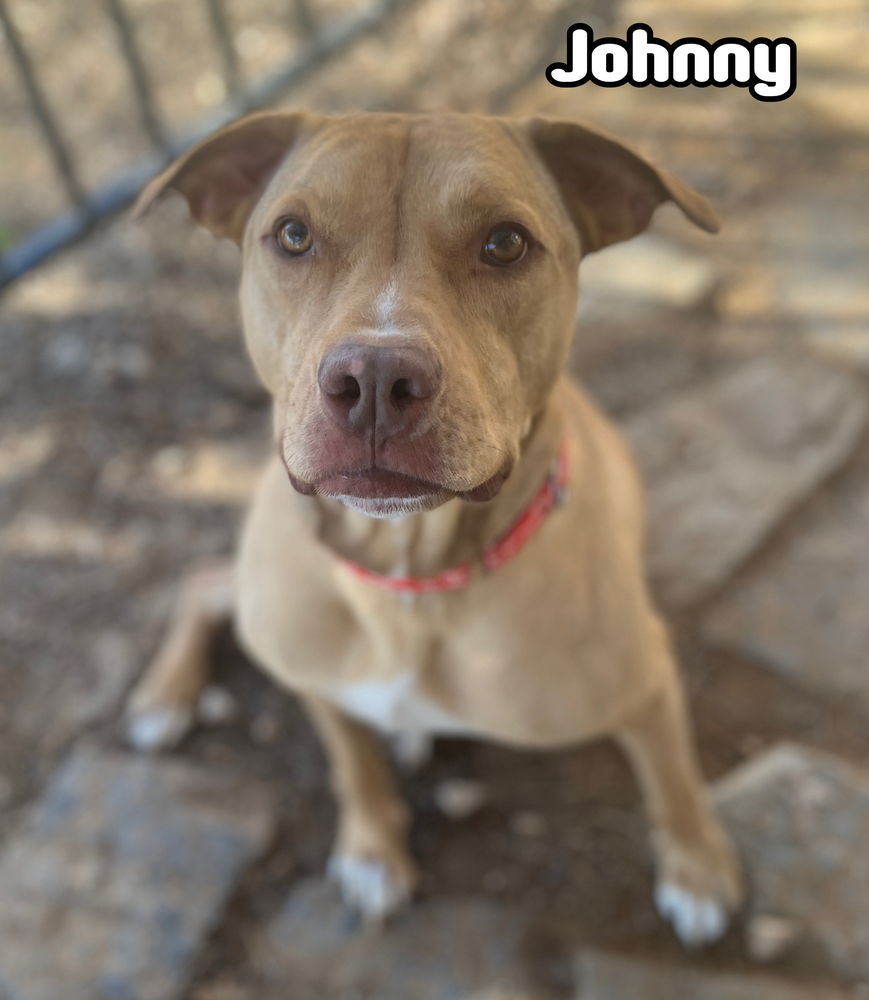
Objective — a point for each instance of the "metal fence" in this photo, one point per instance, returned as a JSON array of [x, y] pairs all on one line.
[[323, 41]]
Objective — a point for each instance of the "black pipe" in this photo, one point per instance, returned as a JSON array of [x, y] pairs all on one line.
[[138, 75], [63, 160], [223, 37]]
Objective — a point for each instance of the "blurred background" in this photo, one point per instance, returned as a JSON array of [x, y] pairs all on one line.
[[132, 426]]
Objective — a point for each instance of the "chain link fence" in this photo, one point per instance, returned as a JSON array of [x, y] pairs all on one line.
[[320, 34]]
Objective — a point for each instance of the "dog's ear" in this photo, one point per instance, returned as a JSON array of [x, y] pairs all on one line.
[[223, 176], [609, 191]]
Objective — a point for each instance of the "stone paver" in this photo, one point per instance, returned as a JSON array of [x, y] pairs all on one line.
[[725, 461], [804, 611], [605, 976], [439, 949], [119, 873], [800, 818]]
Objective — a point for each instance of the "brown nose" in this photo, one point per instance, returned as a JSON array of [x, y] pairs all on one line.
[[382, 389]]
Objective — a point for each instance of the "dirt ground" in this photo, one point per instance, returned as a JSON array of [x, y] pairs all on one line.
[[130, 422]]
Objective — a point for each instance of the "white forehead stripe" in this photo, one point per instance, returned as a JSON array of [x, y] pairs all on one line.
[[385, 306]]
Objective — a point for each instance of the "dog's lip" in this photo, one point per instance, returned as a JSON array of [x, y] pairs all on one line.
[[487, 490], [375, 483]]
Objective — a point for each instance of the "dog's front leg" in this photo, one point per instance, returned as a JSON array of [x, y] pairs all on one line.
[[370, 859], [162, 706], [699, 879]]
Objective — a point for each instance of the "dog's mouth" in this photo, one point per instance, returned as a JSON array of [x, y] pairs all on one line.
[[376, 485]]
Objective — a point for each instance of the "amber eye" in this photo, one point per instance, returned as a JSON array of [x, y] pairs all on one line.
[[295, 237], [504, 245]]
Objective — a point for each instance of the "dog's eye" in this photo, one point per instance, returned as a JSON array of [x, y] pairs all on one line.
[[294, 237], [504, 245]]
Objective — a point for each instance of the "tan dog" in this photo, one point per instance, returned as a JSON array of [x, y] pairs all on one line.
[[409, 291]]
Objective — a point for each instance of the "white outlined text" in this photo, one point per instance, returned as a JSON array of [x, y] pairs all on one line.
[[767, 68]]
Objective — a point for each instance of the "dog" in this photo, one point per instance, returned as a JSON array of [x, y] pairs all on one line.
[[449, 538]]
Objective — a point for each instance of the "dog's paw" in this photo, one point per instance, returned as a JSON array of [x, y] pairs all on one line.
[[154, 729], [370, 886], [699, 888], [696, 920]]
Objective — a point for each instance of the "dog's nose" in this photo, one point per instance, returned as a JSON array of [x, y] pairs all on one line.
[[383, 388]]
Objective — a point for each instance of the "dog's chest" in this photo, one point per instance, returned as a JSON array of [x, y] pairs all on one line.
[[395, 706]]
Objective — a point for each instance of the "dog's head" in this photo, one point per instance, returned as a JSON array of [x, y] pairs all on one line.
[[409, 283]]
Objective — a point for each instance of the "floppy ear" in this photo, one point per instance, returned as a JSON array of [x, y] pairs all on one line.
[[610, 192], [223, 176]]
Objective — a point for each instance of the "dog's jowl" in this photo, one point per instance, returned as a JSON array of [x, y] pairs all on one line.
[[449, 537]]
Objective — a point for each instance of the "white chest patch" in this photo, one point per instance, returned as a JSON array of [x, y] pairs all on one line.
[[395, 707]]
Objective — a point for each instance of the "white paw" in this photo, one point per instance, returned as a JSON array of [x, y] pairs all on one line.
[[368, 886], [695, 920], [158, 728]]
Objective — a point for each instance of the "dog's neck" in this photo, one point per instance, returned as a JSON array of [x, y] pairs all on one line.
[[425, 543]]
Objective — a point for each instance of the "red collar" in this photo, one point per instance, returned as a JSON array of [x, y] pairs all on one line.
[[494, 555]]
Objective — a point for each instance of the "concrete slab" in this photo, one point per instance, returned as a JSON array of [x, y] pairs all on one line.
[[725, 461], [440, 949], [803, 612], [119, 873], [800, 818]]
